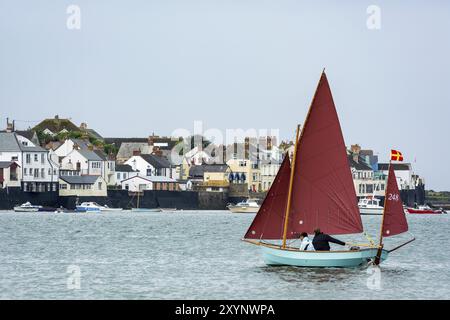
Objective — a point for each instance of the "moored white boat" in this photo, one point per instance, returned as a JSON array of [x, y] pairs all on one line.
[[370, 206], [106, 208], [247, 206], [27, 207]]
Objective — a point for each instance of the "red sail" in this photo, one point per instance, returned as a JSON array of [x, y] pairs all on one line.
[[323, 194], [394, 220], [269, 222]]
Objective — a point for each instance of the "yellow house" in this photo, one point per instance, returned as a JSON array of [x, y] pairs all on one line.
[[246, 171]]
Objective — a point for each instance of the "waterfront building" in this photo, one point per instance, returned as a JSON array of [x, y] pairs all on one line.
[[123, 172], [210, 177], [38, 172], [9, 174], [139, 183], [82, 186], [269, 171], [152, 165]]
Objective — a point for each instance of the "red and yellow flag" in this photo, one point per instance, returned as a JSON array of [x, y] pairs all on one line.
[[396, 155]]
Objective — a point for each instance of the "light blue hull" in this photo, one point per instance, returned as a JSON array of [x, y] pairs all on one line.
[[324, 259]]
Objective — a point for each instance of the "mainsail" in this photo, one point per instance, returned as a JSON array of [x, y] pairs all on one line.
[[394, 220], [323, 194], [268, 223]]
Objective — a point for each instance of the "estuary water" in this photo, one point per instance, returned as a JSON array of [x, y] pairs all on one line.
[[199, 255]]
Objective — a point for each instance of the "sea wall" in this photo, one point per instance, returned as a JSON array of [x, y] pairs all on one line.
[[10, 197]]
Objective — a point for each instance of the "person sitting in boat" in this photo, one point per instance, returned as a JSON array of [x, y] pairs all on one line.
[[305, 242], [321, 241]]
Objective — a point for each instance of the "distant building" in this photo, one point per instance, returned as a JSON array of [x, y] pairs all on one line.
[[10, 174], [139, 184], [210, 177], [82, 186], [152, 165], [123, 172], [38, 172]]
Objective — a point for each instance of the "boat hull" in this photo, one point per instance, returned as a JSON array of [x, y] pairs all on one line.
[[87, 209], [236, 209], [427, 211], [19, 209], [371, 211], [319, 259]]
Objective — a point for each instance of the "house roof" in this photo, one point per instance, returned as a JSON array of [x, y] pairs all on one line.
[[7, 164], [29, 134], [127, 148], [152, 179], [156, 161], [83, 144], [118, 141], [8, 142], [358, 165], [199, 171], [90, 155], [93, 133], [396, 166], [79, 179], [124, 168], [101, 154]]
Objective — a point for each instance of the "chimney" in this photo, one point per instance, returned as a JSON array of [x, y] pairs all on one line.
[[136, 152], [9, 125], [91, 147], [56, 117], [355, 148], [83, 126]]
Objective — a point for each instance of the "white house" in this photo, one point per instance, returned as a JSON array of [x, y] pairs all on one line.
[[82, 186], [85, 161], [69, 144], [139, 184], [152, 165], [269, 171], [123, 172], [38, 172]]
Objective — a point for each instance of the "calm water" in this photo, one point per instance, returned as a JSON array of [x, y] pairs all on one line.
[[197, 255]]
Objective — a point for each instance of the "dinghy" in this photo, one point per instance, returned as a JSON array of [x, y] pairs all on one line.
[[317, 191]]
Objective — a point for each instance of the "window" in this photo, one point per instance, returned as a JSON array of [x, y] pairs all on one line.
[[49, 172], [35, 157], [99, 186], [31, 171], [149, 172], [62, 186], [42, 158], [124, 175], [14, 158], [42, 173], [36, 173], [28, 158], [118, 175]]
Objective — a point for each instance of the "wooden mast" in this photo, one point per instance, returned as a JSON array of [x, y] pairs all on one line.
[[380, 244], [291, 183]]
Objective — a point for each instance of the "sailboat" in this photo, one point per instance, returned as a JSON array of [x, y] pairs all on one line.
[[315, 191]]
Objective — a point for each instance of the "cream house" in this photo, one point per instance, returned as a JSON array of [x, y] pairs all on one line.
[[82, 186]]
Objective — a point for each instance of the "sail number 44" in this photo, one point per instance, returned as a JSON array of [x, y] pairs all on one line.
[[393, 197]]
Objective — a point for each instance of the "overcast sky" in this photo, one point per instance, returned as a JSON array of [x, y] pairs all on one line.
[[137, 67]]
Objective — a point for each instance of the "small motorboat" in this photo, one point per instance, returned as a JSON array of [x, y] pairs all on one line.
[[424, 210], [167, 209], [370, 206], [88, 207], [247, 206], [27, 207]]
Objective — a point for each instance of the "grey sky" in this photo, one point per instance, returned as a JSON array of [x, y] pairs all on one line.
[[138, 67]]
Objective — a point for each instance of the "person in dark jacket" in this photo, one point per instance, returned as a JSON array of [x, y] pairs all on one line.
[[321, 241]]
